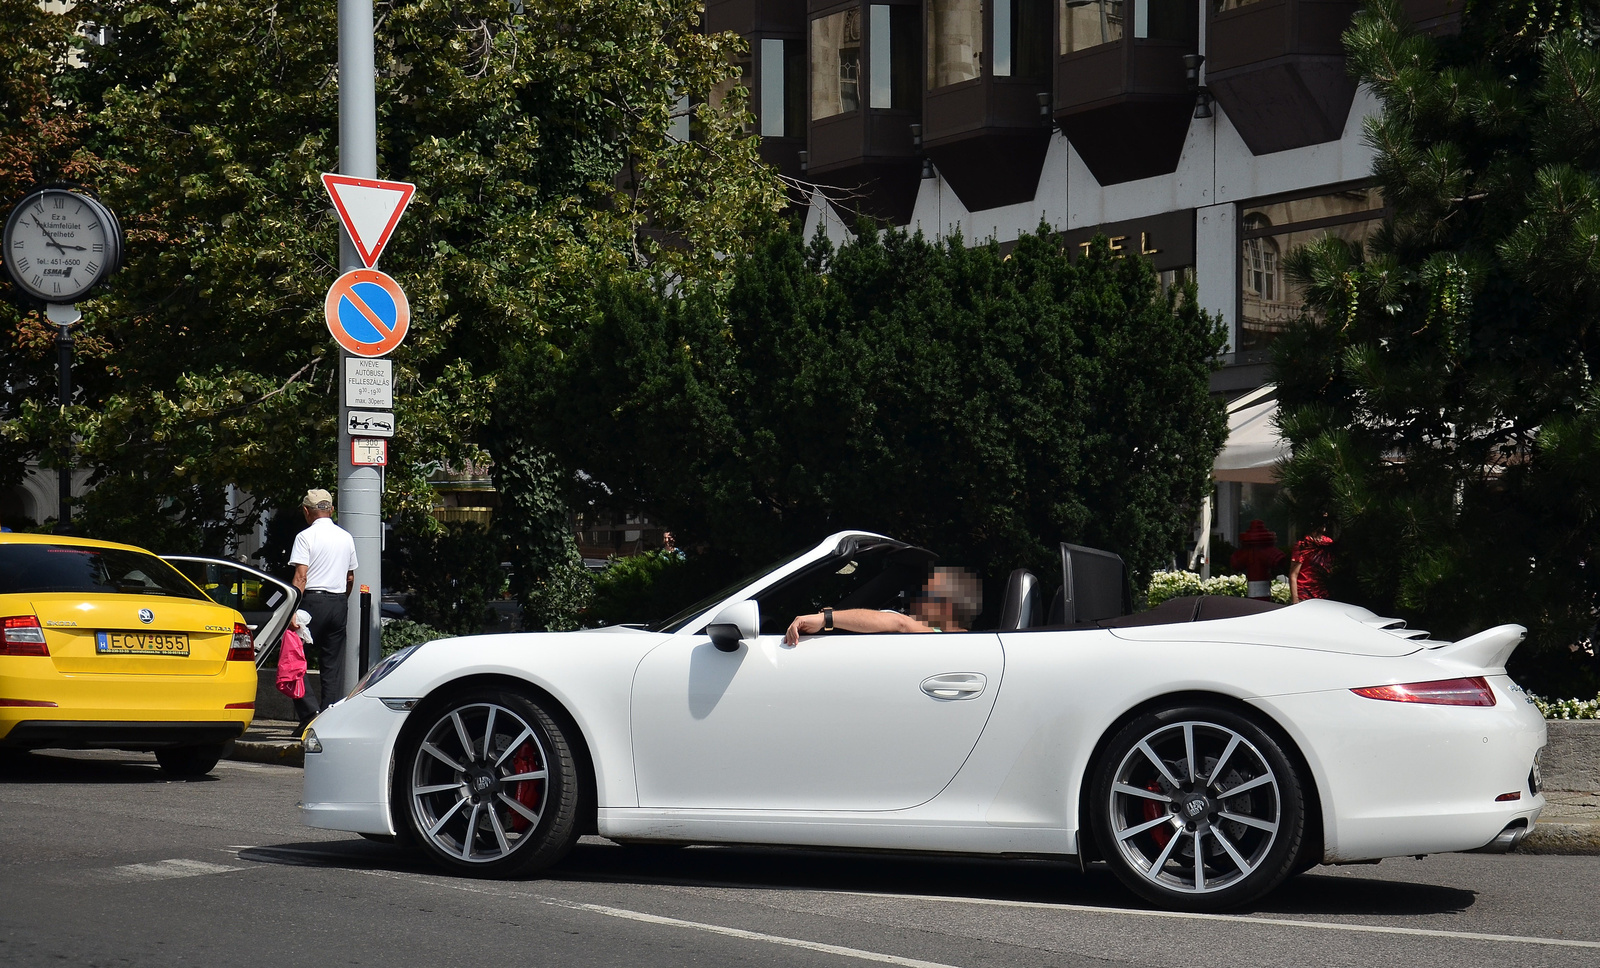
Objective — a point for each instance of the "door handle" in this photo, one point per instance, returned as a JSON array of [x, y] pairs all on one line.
[[955, 685]]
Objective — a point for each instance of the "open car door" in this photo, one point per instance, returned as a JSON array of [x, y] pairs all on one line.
[[267, 603]]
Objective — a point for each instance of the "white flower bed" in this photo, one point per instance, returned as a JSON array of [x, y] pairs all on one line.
[[1174, 584], [1567, 708]]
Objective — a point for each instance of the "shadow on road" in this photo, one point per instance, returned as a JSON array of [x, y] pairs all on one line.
[[769, 868], [85, 766]]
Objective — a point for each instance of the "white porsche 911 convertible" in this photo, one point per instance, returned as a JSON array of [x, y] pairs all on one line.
[[1206, 749]]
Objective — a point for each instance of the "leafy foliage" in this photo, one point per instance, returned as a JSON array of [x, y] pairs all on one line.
[[400, 633], [40, 141], [538, 137], [452, 573], [1440, 394], [981, 404]]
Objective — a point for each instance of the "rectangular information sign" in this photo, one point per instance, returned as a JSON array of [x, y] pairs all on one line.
[[368, 383], [366, 452], [369, 423]]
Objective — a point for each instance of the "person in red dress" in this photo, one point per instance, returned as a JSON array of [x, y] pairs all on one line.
[[1312, 560], [1260, 558]]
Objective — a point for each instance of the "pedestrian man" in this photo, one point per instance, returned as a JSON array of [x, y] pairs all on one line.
[[324, 560]]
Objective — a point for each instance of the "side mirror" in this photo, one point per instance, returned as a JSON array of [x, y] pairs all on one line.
[[739, 621]]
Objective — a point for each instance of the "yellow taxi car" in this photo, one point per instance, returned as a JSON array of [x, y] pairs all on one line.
[[107, 646]]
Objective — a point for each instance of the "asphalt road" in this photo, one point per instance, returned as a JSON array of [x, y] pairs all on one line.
[[105, 862]]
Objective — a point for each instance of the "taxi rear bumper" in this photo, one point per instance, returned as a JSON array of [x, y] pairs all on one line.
[[100, 734]]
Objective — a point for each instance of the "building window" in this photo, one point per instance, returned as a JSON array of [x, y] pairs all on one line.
[[1219, 6], [678, 125], [896, 33], [721, 90], [783, 88], [1089, 23], [1269, 301], [836, 64], [1022, 38], [955, 41]]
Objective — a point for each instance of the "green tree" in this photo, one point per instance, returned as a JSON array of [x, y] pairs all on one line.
[[984, 405], [452, 573], [539, 138], [41, 140], [1440, 393]]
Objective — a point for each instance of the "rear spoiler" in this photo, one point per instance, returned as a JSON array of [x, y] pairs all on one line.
[[1488, 650]]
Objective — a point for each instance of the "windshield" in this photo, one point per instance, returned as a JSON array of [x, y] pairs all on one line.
[[679, 619], [33, 568]]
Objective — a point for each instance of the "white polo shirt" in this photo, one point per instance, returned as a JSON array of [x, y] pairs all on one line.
[[328, 552]]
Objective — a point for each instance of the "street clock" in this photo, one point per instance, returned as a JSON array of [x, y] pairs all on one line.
[[60, 244]]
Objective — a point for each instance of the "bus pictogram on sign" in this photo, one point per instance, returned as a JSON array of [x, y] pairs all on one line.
[[367, 312]]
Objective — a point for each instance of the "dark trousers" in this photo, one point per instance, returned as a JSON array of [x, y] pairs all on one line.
[[329, 611]]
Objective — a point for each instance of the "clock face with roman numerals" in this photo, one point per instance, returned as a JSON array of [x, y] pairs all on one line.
[[59, 244]]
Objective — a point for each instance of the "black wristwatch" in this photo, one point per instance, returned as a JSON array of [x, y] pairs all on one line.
[[827, 620]]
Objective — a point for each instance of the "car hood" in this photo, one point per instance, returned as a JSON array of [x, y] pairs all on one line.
[[1317, 625]]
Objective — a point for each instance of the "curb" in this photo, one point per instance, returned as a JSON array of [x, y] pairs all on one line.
[[1562, 838], [277, 753]]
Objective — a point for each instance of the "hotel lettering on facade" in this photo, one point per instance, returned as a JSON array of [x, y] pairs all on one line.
[[1213, 136]]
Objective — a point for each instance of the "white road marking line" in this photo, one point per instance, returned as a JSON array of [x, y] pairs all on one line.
[[1233, 918], [858, 954], [167, 869], [975, 901], [832, 949]]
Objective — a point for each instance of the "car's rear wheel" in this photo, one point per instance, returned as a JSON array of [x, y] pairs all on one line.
[[190, 762], [490, 787], [1198, 808]]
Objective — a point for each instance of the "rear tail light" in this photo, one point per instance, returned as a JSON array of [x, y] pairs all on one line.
[[23, 636], [1470, 691], [243, 648]]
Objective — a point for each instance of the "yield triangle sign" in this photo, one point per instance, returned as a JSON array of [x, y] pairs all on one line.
[[370, 209]]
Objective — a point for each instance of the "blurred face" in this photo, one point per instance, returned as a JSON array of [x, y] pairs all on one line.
[[948, 592]]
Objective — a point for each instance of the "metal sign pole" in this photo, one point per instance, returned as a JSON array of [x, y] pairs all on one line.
[[65, 317], [360, 488]]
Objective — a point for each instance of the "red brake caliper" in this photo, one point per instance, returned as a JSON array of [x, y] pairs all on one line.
[[529, 792], [1152, 810]]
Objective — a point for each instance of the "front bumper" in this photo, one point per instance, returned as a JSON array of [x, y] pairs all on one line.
[[347, 783]]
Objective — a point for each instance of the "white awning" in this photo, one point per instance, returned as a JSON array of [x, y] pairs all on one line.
[[1254, 448]]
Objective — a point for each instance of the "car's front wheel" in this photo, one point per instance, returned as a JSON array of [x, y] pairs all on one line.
[[1198, 808], [489, 784]]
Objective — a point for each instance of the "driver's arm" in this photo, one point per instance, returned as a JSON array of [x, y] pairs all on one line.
[[854, 620]]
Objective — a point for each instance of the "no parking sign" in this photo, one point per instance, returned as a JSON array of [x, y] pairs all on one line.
[[367, 312]]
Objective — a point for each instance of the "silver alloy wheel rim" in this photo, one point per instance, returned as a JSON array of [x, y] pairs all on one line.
[[1195, 808], [472, 779]]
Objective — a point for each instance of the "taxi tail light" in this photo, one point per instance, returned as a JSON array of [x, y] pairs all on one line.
[[1469, 691], [243, 648], [23, 636]]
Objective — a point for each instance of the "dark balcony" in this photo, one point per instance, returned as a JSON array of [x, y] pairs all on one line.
[[1277, 67], [865, 74], [985, 110], [1121, 96], [774, 72]]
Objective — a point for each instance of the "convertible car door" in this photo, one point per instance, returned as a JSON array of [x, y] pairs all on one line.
[[839, 722]]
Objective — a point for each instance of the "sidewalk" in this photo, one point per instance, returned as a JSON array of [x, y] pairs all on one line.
[[270, 741], [1570, 823]]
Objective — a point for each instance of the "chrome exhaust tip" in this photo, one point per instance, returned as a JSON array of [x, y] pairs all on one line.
[[1506, 840]]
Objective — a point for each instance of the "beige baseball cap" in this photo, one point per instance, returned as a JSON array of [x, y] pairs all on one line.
[[318, 500]]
